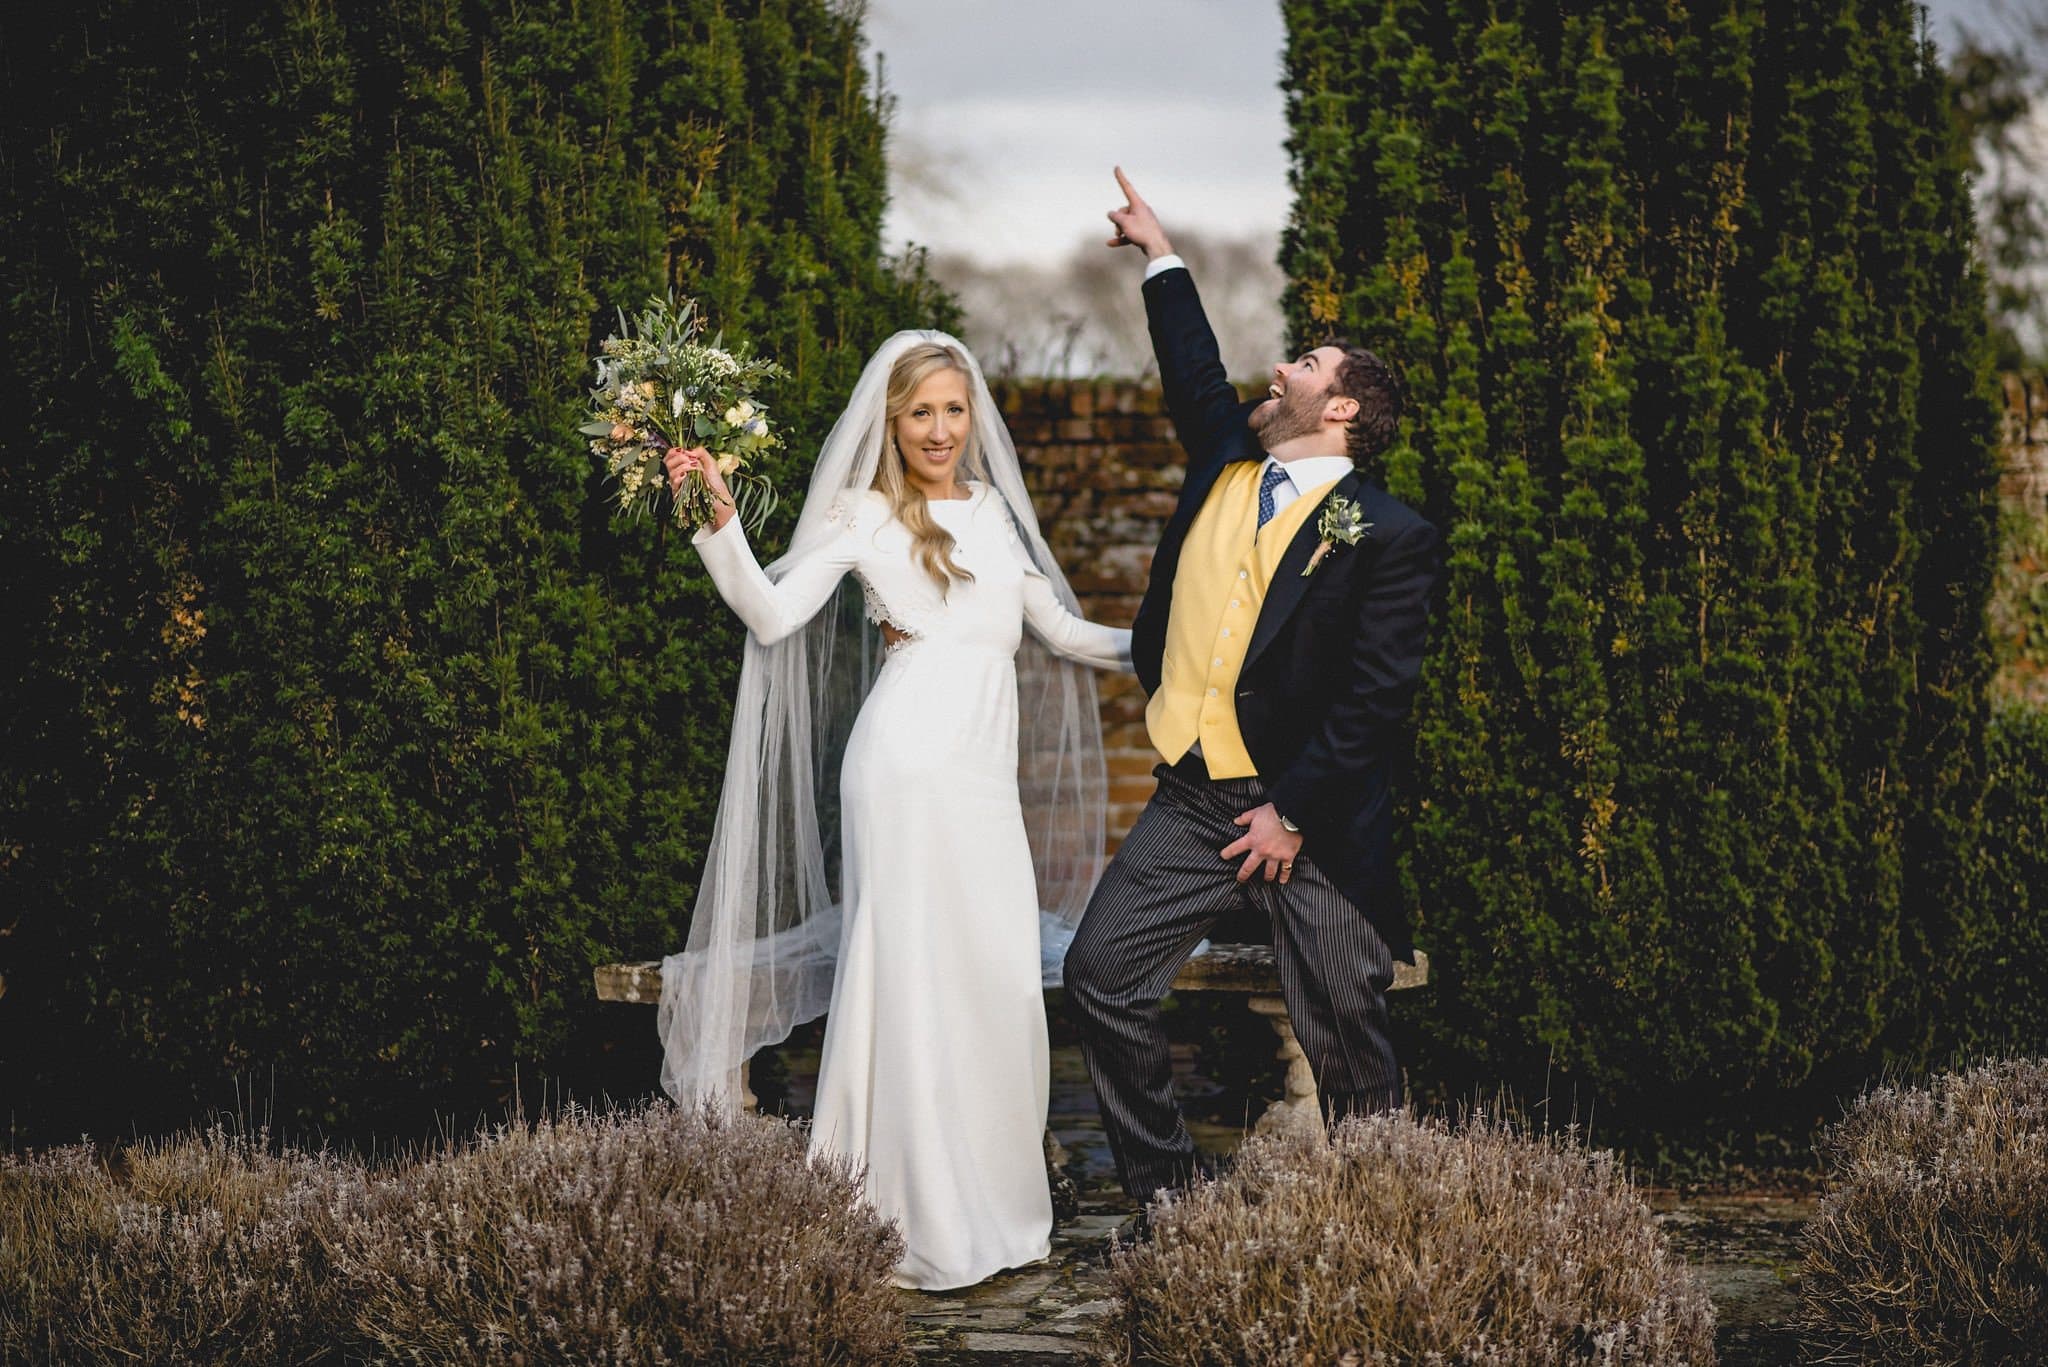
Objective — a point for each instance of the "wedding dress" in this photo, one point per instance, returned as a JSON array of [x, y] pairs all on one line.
[[934, 1073]]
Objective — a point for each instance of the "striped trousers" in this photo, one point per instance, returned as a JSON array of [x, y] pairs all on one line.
[[1160, 894]]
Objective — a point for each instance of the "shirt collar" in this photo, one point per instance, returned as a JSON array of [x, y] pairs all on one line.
[[1311, 472]]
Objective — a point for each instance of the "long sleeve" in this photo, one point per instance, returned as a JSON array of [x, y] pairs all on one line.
[[1204, 405], [1386, 667], [772, 609], [1070, 637]]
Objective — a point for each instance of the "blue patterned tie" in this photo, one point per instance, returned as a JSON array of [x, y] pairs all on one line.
[[1276, 475]]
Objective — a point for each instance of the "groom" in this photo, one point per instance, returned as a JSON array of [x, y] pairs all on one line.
[[1279, 642]]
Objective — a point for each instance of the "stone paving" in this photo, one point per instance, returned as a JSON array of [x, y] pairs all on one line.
[[1033, 1315], [1743, 1246], [1745, 1249]]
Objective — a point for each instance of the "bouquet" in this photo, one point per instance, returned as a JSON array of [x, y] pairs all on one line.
[[659, 386]]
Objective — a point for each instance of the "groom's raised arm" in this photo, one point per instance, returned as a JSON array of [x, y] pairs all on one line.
[[1203, 403], [1199, 396]]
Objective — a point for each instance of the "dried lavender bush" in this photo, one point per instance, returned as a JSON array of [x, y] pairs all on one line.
[[651, 1236], [657, 1235], [211, 1249], [1406, 1241], [1931, 1244]]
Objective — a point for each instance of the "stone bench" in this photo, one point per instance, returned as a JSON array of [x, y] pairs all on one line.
[[1246, 969], [1252, 970]]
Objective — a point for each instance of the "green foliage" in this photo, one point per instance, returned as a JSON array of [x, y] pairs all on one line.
[[1686, 303], [342, 729], [2010, 1011]]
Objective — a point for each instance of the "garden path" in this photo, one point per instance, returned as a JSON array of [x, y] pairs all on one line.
[[1743, 1246]]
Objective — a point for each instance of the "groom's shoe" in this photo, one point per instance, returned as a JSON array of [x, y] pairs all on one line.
[[1133, 1233], [1138, 1230]]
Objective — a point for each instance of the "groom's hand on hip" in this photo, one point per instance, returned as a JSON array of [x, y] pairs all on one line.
[[1136, 224], [1267, 846]]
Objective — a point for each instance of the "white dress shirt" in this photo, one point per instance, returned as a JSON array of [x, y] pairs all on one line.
[[1303, 475], [1159, 265]]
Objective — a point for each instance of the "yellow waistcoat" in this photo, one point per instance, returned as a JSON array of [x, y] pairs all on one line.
[[1217, 589]]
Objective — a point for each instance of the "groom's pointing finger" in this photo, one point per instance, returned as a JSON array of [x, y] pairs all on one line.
[[1130, 192]]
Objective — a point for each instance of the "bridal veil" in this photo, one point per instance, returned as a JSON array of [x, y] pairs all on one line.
[[764, 935]]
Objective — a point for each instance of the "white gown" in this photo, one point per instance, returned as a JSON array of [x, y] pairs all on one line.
[[934, 1071]]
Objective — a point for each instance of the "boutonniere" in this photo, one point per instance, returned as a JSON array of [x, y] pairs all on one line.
[[1342, 520]]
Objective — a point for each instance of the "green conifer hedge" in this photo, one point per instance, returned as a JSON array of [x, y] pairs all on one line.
[[342, 732], [1685, 298]]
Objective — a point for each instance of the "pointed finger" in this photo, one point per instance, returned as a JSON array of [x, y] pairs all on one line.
[[1130, 192]]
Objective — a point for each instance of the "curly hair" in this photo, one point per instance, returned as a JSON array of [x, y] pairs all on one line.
[[1363, 376]]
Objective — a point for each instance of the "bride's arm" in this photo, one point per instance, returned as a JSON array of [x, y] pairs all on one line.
[[1070, 637], [773, 609]]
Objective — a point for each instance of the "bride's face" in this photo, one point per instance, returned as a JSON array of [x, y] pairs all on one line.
[[931, 430]]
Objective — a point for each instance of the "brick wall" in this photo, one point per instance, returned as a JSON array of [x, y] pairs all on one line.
[[1104, 470], [2026, 442], [2019, 598]]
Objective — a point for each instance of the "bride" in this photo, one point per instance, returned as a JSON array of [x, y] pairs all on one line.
[[954, 897]]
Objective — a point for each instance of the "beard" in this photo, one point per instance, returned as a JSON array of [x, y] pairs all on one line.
[[1295, 413]]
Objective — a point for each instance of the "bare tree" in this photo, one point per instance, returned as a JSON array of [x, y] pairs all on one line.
[[1084, 316], [1998, 86]]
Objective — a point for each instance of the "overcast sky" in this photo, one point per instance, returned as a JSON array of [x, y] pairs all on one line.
[[1010, 115]]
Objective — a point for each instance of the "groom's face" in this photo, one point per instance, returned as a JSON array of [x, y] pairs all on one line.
[[1297, 397]]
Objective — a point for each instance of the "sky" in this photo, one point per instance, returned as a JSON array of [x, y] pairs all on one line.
[[1010, 114]]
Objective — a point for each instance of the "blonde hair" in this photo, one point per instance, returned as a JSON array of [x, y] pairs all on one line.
[[932, 544]]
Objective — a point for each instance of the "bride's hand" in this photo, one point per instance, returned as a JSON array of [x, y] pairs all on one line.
[[681, 462]]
